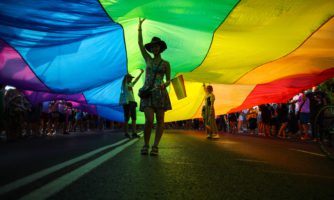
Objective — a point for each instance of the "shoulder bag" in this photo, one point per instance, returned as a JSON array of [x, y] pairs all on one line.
[[145, 93]]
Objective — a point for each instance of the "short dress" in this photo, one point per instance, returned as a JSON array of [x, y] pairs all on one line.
[[209, 113], [159, 98]]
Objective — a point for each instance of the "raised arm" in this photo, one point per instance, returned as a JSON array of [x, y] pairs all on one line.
[[204, 88], [140, 40], [137, 78]]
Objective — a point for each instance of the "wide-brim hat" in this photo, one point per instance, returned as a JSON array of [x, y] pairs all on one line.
[[156, 41]]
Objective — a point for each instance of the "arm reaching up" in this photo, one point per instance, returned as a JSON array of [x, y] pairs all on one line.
[[137, 78], [140, 40], [204, 87]]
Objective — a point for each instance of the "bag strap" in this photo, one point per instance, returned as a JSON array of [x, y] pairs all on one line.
[[155, 75], [300, 108]]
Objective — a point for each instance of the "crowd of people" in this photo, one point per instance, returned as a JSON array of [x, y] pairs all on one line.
[[22, 119], [292, 119], [284, 120]]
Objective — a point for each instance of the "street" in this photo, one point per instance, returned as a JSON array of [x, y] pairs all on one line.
[[105, 165]]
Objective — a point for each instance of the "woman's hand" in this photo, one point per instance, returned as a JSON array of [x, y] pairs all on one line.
[[204, 87], [141, 20]]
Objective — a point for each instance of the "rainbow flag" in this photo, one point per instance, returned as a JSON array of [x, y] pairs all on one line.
[[251, 52]]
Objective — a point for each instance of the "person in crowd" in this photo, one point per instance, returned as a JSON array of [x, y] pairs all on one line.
[[252, 120], [129, 103], [292, 120], [86, 119], [158, 101], [283, 117], [266, 116], [54, 118], [71, 118], [71, 114], [240, 122], [244, 126], [78, 120], [260, 124], [232, 119], [33, 119], [274, 123], [62, 108], [304, 115], [67, 117], [209, 116], [100, 123], [2, 108], [196, 123], [16, 106], [317, 101], [45, 117], [222, 121]]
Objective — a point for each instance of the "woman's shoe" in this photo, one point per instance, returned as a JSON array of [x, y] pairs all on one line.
[[144, 150], [154, 151]]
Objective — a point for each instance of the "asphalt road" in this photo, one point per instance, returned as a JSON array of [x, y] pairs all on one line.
[[188, 167]]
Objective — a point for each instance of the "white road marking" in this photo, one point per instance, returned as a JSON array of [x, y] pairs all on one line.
[[309, 152], [33, 177], [60, 183]]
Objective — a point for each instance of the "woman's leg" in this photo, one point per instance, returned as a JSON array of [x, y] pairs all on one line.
[[305, 131], [126, 110], [133, 116], [149, 114], [134, 127], [160, 117], [239, 126], [283, 127], [281, 132], [267, 129]]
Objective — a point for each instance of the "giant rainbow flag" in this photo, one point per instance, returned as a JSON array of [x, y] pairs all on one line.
[[251, 51]]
